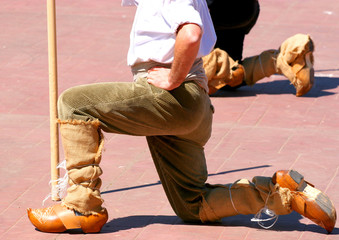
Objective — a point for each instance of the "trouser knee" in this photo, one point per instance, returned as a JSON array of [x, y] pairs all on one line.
[[71, 105], [64, 106]]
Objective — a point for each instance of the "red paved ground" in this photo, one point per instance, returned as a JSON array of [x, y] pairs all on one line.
[[256, 130]]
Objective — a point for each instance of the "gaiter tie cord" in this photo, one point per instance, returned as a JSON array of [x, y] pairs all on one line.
[[229, 189], [262, 69], [259, 218], [275, 63], [61, 186], [62, 183]]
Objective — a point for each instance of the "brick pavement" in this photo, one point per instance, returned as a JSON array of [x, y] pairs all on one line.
[[256, 130]]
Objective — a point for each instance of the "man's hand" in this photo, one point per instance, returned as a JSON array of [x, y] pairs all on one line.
[[186, 48], [159, 77]]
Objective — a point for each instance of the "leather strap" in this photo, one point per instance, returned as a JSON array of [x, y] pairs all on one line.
[[68, 217]]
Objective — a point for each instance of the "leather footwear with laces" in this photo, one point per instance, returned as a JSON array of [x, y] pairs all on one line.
[[306, 199]]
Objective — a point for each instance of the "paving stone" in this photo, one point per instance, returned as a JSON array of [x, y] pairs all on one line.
[[256, 131]]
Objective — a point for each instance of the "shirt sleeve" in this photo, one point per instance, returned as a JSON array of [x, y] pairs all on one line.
[[180, 12]]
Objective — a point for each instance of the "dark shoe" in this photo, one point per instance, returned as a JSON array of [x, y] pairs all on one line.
[[307, 200], [58, 219]]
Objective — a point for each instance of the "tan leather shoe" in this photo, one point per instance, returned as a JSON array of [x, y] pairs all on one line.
[[238, 75], [295, 60], [305, 76], [58, 219], [306, 199]]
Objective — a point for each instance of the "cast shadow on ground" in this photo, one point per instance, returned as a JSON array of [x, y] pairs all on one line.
[[285, 223], [158, 183], [321, 88]]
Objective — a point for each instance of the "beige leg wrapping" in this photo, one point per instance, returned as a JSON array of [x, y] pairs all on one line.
[[82, 143], [219, 68], [260, 66], [245, 197], [294, 59]]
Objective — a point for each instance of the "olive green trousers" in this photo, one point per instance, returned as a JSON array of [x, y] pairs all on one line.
[[177, 125]]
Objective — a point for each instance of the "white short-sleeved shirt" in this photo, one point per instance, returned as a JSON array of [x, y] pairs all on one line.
[[155, 24]]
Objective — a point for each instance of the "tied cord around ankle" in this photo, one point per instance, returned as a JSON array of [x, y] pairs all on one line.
[[229, 189], [261, 65], [62, 183], [258, 217], [90, 180]]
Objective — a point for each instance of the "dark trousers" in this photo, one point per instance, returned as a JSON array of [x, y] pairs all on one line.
[[232, 21]]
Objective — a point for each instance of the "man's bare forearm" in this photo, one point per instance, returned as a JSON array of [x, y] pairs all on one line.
[[185, 52], [186, 48]]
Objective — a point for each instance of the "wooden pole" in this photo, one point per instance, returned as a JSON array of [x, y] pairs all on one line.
[[53, 96]]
